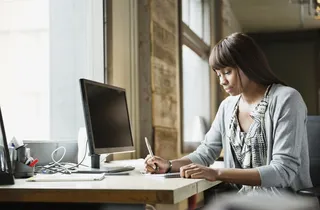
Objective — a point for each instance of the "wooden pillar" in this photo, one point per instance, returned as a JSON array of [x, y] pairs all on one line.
[[144, 60], [164, 63]]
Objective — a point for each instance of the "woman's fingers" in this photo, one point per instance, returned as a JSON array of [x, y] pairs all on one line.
[[149, 168], [197, 175], [188, 170], [147, 158], [152, 163], [196, 171]]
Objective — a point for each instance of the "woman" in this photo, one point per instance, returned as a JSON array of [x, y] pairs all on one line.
[[261, 126]]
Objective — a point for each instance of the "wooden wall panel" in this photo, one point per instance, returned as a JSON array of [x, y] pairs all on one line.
[[159, 52], [145, 93], [166, 142], [164, 63], [163, 78], [164, 12], [163, 37], [164, 111]]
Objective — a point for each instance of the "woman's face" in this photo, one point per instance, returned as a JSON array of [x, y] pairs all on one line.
[[232, 82]]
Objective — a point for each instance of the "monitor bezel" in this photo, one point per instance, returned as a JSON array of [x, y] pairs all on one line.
[[86, 110], [5, 178]]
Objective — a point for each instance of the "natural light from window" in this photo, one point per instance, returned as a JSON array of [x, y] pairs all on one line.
[[46, 46], [196, 95], [195, 69]]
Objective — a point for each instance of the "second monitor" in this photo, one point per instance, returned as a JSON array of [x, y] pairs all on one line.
[[107, 119]]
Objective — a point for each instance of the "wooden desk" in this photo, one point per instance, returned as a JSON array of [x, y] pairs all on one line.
[[114, 192]]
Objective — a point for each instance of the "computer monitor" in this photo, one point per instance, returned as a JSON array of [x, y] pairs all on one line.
[[6, 173], [107, 119]]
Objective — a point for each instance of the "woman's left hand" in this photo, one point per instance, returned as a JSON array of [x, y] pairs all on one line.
[[196, 171]]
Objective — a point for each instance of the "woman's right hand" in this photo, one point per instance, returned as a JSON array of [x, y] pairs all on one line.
[[156, 165]]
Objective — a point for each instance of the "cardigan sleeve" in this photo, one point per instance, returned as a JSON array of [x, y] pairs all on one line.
[[210, 148], [289, 122]]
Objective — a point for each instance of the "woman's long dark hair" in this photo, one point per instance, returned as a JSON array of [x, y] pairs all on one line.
[[240, 51]]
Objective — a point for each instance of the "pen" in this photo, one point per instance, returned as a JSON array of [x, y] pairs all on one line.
[[150, 151]]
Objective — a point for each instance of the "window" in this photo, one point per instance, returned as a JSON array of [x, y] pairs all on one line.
[[46, 46], [196, 112]]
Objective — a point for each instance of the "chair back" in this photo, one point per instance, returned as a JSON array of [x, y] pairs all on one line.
[[313, 129]]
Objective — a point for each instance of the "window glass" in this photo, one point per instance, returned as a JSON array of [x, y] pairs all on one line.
[[196, 17], [196, 95], [185, 11], [46, 46]]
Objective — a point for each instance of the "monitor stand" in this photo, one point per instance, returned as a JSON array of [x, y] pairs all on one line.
[[95, 167], [95, 161]]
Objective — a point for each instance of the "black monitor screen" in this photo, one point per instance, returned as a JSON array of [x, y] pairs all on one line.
[[107, 118]]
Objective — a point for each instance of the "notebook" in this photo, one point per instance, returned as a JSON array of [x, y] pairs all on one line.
[[65, 177]]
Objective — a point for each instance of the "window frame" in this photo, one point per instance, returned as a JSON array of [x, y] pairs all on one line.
[[189, 38], [122, 46]]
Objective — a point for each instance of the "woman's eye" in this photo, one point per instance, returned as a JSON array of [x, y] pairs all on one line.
[[228, 72]]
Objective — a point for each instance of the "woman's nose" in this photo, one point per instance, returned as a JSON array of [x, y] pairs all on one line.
[[223, 80]]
